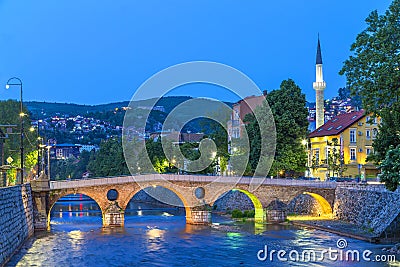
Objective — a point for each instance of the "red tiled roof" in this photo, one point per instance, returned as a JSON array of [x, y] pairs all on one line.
[[337, 124]]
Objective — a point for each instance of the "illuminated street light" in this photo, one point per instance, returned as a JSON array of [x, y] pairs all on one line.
[[48, 161], [13, 82], [304, 142]]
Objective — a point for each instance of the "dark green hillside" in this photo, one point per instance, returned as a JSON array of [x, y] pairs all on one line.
[[51, 109]]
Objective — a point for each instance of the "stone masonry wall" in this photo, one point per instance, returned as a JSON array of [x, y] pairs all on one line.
[[233, 200], [16, 219], [154, 195], [392, 233], [304, 205], [373, 210]]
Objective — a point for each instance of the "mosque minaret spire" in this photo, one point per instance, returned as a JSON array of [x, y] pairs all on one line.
[[319, 85]]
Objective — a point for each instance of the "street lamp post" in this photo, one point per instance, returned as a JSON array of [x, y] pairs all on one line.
[[17, 81], [48, 161], [38, 139], [305, 143]]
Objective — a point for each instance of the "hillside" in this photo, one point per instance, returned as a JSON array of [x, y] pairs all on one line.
[[46, 109], [106, 112]]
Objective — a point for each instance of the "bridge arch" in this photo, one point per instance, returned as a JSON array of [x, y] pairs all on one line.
[[57, 197], [184, 201], [325, 208], [258, 207]]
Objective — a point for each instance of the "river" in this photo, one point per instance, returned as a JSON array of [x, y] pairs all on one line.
[[155, 236]]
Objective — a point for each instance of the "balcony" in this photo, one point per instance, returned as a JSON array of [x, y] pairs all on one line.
[[319, 85]]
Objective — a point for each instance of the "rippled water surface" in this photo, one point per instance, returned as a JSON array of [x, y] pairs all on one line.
[[160, 237]]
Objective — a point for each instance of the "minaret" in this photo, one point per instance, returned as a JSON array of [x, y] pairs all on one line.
[[319, 86]]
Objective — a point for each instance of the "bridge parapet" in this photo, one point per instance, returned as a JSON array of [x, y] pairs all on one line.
[[228, 180], [367, 187]]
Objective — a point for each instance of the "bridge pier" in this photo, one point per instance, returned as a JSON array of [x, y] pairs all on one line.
[[260, 215], [113, 215], [40, 195], [198, 215]]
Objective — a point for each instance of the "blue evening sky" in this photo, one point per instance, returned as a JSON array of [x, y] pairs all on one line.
[[100, 51]]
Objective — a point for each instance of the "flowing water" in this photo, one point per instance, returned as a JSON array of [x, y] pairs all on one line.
[[160, 237]]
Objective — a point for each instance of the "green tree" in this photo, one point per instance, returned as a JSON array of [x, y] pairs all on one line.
[[9, 115], [335, 159], [288, 105], [109, 160], [390, 168], [254, 134], [219, 135], [372, 72]]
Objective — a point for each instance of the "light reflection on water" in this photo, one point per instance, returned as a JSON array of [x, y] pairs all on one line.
[[160, 237]]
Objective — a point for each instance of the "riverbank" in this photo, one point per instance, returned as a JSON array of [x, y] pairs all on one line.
[[326, 224], [340, 228]]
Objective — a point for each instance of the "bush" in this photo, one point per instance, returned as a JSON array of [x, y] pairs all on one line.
[[237, 213], [251, 213]]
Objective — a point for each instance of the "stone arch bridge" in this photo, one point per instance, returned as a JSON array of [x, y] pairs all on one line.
[[194, 191]]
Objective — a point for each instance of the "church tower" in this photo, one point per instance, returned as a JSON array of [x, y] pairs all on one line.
[[319, 86]]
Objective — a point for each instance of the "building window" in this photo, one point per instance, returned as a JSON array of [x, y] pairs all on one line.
[[368, 134], [368, 151], [316, 154], [352, 136], [374, 133], [59, 153], [327, 151], [236, 115], [367, 119], [353, 154], [236, 133]]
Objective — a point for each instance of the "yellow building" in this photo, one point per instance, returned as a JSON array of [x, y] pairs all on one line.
[[354, 134]]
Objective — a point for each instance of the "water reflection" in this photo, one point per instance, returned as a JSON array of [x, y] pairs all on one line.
[[77, 205], [155, 238], [234, 240], [158, 236], [75, 238]]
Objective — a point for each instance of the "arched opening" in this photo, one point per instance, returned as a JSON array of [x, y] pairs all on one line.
[[75, 211], [241, 200], [156, 204], [309, 206]]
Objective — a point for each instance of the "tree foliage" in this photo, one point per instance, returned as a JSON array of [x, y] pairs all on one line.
[[335, 159], [288, 106], [109, 160], [220, 137], [9, 115], [390, 168], [373, 73], [72, 168]]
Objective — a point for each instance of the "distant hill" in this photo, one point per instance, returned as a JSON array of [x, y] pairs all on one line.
[[45, 109], [106, 112], [51, 109], [310, 104]]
